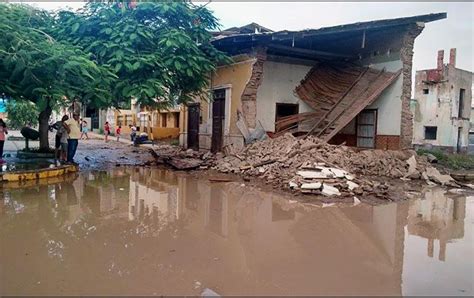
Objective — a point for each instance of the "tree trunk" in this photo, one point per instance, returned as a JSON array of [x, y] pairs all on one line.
[[44, 127]]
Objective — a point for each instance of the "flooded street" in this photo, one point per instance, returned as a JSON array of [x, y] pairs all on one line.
[[141, 231]]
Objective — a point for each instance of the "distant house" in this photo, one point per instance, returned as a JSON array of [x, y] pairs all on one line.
[[345, 84], [157, 123], [442, 110]]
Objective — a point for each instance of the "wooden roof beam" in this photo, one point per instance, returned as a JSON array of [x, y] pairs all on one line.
[[308, 53]]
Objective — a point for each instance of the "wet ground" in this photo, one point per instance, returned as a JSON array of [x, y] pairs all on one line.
[[92, 154], [144, 231]]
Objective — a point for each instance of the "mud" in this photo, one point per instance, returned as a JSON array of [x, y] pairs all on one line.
[[143, 231], [95, 154]]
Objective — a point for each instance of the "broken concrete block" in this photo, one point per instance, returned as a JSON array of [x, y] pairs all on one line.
[[356, 201], [329, 190], [293, 185], [352, 185], [312, 174], [411, 166], [349, 177], [338, 173], [311, 186], [435, 176], [431, 158]]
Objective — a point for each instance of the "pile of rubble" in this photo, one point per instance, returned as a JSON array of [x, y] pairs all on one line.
[[182, 159], [313, 166]]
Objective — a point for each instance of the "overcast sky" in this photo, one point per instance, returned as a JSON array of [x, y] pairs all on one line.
[[454, 32]]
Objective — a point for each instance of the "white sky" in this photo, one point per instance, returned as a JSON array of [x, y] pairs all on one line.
[[457, 31]]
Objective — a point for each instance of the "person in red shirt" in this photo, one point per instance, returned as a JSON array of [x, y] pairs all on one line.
[[118, 131], [107, 131]]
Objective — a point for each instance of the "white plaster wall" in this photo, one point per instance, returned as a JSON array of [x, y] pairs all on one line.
[[389, 103], [279, 82]]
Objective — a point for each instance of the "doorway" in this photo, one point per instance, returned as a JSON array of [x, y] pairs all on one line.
[[366, 128], [283, 110], [218, 117], [193, 126]]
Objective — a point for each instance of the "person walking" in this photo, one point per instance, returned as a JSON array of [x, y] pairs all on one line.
[[3, 132], [84, 130], [74, 132], [118, 131], [107, 131]]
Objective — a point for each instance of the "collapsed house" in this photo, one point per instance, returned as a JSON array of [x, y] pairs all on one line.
[[442, 106], [345, 84]]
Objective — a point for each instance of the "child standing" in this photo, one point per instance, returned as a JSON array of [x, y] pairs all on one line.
[[84, 130], [107, 131], [117, 132]]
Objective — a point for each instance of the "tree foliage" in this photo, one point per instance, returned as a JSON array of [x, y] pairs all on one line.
[[37, 67], [21, 113], [158, 50], [105, 54]]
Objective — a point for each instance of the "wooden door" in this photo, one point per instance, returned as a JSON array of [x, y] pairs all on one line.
[[218, 116], [366, 128], [193, 126]]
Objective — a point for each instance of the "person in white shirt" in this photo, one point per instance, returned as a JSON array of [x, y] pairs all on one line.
[[74, 132]]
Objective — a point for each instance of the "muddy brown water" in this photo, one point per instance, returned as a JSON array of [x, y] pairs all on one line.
[[151, 232]]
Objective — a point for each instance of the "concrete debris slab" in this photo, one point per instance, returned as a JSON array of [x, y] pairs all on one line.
[[329, 190], [312, 186], [349, 177], [356, 201], [352, 185], [293, 185], [411, 166], [435, 176], [314, 174]]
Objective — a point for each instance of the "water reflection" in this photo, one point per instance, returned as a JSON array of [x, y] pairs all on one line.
[[143, 231]]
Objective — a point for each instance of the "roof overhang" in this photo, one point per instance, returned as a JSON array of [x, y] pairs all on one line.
[[344, 42]]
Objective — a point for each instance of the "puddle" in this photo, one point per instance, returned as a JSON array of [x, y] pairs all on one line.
[[153, 232]]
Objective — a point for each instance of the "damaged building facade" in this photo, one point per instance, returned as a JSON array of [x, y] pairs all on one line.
[[345, 84], [442, 106]]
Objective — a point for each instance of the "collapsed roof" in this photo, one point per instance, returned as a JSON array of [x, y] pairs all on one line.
[[344, 42]]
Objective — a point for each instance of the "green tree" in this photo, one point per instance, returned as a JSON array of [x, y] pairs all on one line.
[[157, 52], [21, 113], [161, 52], [35, 66]]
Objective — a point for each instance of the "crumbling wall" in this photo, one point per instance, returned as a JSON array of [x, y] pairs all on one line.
[[439, 107], [278, 86], [234, 78], [406, 55], [249, 95]]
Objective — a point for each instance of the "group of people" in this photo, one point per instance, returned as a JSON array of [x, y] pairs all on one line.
[[118, 132], [68, 133], [108, 131]]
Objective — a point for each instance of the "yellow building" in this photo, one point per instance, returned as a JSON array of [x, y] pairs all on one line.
[[157, 123]]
